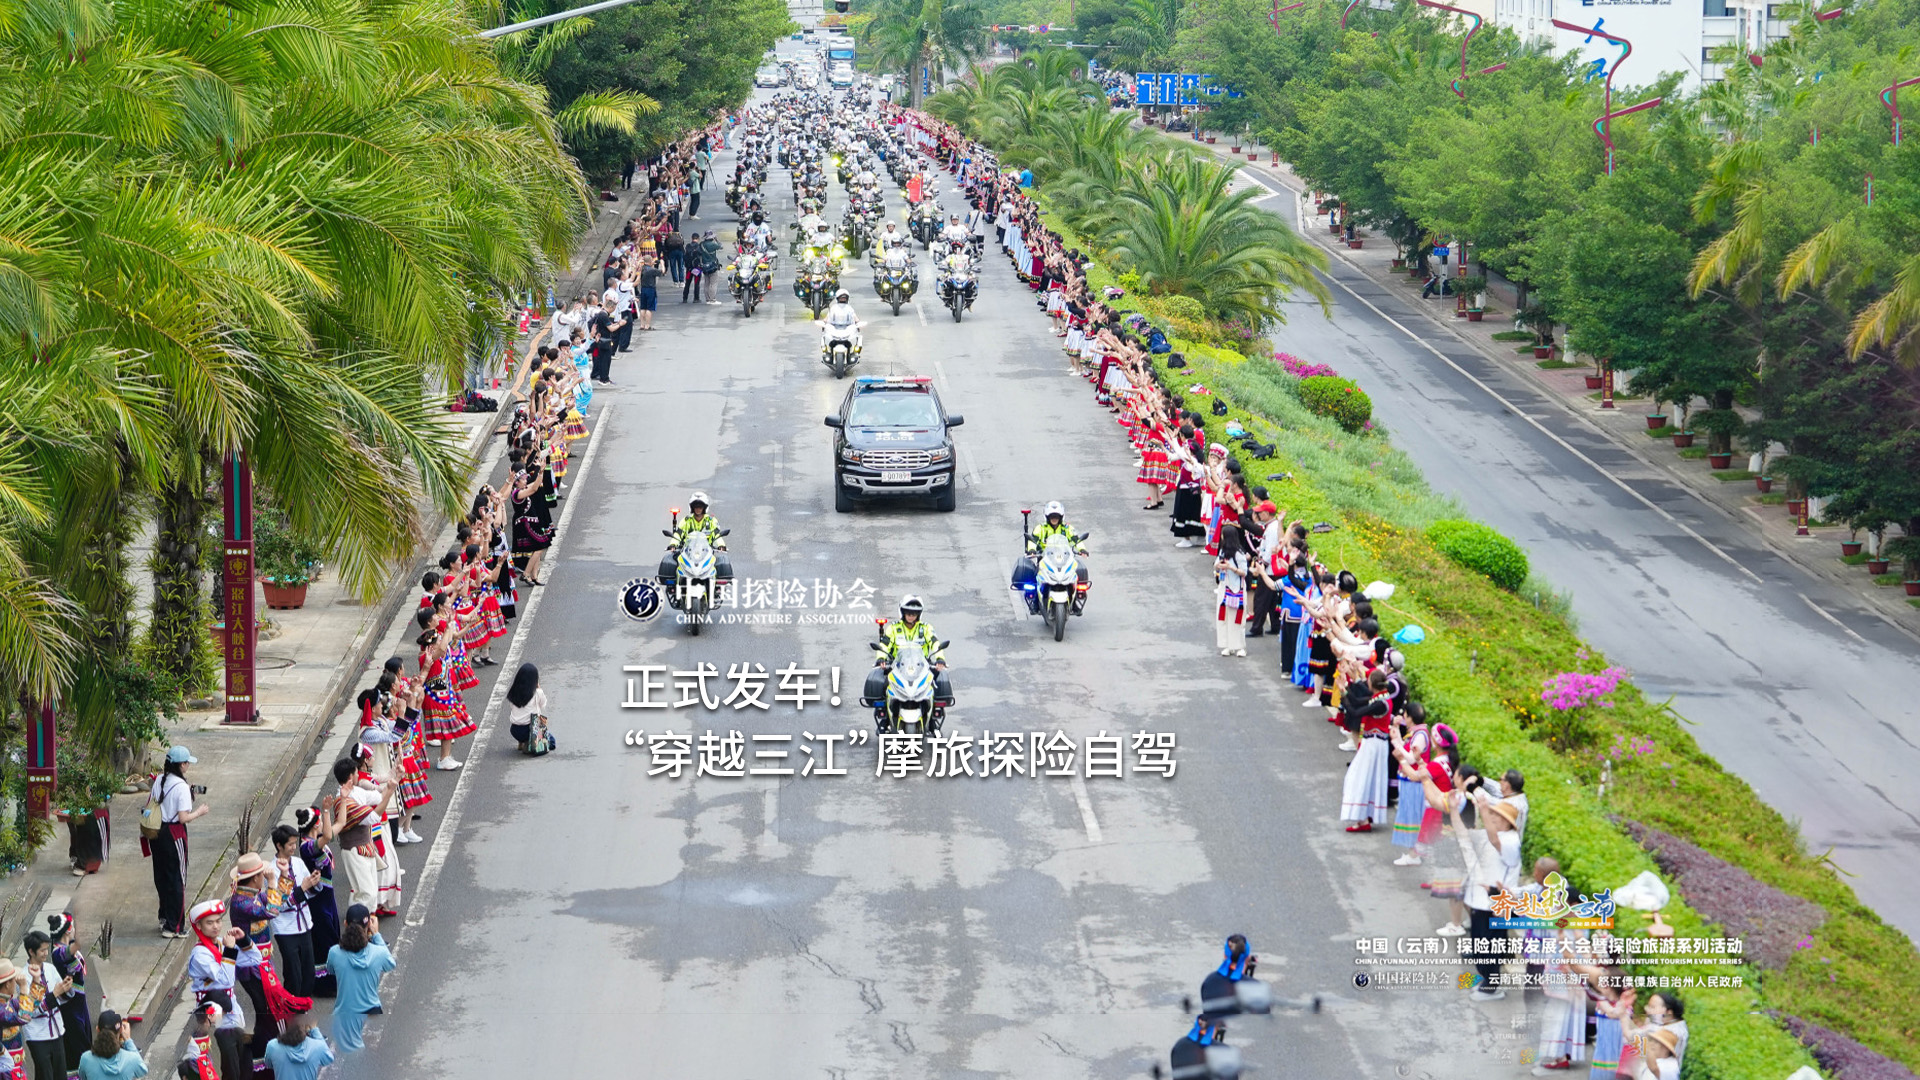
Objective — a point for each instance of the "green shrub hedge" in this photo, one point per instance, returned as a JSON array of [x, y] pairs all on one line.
[[1340, 399], [1480, 549]]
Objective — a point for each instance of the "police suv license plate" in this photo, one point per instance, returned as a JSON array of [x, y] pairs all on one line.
[[896, 476]]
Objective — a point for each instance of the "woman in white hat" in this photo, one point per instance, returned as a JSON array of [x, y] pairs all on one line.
[[172, 800], [211, 977]]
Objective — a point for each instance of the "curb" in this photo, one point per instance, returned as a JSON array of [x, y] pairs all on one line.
[[162, 989]]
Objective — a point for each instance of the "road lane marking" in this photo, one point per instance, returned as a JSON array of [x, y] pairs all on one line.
[[422, 897], [921, 312], [1828, 615], [1079, 785], [1544, 430], [965, 458]]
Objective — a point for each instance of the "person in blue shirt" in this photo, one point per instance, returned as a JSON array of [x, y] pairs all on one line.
[[113, 1056], [1026, 178], [357, 964], [299, 1053]]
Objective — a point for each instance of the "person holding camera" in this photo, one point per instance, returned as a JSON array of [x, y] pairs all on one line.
[[1492, 854], [113, 1055], [300, 1052], [358, 962], [172, 800]]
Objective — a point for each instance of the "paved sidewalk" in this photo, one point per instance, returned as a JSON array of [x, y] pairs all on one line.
[[1625, 425], [317, 658]]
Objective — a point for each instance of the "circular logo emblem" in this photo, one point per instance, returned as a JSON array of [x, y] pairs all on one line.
[[640, 599]]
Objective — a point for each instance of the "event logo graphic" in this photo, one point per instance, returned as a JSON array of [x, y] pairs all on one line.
[[640, 599], [1550, 909]]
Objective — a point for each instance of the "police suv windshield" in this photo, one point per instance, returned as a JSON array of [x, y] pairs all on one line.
[[894, 409]]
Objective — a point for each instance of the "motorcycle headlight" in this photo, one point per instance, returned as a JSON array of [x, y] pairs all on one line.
[[849, 454]]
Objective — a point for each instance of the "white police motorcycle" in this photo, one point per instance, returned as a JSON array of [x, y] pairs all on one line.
[[1054, 583], [691, 574], [912, 699]]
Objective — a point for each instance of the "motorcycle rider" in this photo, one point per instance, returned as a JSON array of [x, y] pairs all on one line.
[[840, 316], [758, 235], [955, 234], [898, 257], [822, 241], [890, 237], [698, 520], [1054, 525], [895, 636], [910, 630]]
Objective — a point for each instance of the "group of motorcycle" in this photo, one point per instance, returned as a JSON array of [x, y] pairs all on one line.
[[908, 689]]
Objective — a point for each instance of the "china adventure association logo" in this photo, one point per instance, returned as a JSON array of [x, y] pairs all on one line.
[[1549, 909], [640, 599]]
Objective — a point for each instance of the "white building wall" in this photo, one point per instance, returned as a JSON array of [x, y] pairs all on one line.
[[1667, 35]]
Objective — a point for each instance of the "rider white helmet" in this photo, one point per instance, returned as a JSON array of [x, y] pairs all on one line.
[[1054, 509], [842, 296], [699, 499], [911, 603]]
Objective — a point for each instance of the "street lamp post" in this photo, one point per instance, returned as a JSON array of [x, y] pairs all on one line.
[[1603, 126], [1458, 90]]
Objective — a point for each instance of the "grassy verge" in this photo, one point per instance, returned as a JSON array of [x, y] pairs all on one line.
[[1480, 670]]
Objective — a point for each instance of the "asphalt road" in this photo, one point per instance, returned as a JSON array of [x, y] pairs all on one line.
[[581, 916], [1790, 683]]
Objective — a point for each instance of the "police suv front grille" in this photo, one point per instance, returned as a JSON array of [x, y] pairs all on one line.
[[896, 459]]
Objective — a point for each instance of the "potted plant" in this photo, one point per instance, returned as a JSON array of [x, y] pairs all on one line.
[[1473, 293], [82, 796], [1720, 426], [280, 561], [1656, 419], [1765, 466], [1907, 550], [1535, 319], [1851, 545], [1682, 429]]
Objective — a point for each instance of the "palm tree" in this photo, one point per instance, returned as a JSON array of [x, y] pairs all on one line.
[[1186, 235], [254, 235], [1143, 36], [528, 54], [923, 38]]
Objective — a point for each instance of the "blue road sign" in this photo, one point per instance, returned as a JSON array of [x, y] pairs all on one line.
[[1146, 88]]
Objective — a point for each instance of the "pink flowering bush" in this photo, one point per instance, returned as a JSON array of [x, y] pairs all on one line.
[[1568, 696], [1299, 368], [1577, 689]]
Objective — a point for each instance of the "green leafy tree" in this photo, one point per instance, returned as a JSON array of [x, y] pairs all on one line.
[[922, 38]]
